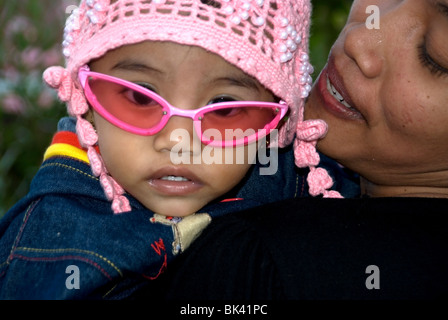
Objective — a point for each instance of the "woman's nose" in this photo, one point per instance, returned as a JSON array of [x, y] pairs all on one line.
[[365, 47]]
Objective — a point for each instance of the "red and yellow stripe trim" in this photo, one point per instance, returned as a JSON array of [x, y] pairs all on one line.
[[66, 143]]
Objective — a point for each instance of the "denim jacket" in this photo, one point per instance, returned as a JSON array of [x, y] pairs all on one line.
[[62, 240]]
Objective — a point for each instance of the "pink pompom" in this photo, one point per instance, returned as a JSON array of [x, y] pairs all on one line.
[[120, 205], [319, 180], [311, 130], [53, 76], [65, 89], [59, 78], [118, 189], [78, 104], [107, 185], [305, 154], [96, 162], [332, 194], [86, 133]]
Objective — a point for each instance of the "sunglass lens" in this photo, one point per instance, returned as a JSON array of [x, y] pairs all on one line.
[[127, 103], [235, 123]]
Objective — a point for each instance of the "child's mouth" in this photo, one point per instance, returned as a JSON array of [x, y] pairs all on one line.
[[174, 178], [175, 181]]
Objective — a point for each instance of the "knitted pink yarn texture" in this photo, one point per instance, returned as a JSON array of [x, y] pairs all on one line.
[[267, 39]]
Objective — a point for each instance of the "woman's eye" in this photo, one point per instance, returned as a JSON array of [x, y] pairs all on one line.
[[430, 63]]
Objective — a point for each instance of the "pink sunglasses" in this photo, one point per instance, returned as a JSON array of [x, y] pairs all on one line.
[[141, 111]]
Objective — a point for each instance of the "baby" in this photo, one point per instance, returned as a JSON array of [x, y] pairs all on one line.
[[169, 102]]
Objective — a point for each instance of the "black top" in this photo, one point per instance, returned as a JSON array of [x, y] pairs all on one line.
[[308, 248]]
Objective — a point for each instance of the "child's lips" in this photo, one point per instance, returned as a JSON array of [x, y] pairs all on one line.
[[175, 181]]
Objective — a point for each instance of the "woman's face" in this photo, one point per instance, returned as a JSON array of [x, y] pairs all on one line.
[[384, 96]]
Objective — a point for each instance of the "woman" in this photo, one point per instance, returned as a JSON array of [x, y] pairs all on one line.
[[384, 97]]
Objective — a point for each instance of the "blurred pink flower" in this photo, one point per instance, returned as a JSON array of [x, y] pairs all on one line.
[[22, 24], [10, 73], [31, 57], [12, 103], [52, 56], [46, 98], [17, 23]]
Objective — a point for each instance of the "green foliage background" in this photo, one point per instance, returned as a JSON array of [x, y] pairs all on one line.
[[30, 37]]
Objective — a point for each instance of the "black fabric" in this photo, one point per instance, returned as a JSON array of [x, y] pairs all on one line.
[[312, 248]]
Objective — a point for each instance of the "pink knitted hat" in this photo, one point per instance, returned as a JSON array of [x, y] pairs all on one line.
[[267, 39]]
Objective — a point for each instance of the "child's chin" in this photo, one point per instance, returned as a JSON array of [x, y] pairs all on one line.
[[176, 210]]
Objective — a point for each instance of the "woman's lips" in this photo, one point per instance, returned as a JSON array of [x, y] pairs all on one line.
[[175, 181], [334, 95]]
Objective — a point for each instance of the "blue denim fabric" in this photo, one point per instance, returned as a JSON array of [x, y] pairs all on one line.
[[64, 228]]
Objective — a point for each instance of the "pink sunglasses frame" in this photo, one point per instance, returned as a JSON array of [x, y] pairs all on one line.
[[169, 111]]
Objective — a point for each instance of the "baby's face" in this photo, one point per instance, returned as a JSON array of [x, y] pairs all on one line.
[[170, 173]]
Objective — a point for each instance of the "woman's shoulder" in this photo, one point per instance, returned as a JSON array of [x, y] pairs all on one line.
[[286, 218], [318, 249]]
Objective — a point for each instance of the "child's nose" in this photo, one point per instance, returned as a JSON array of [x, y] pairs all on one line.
[[178, 136]]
